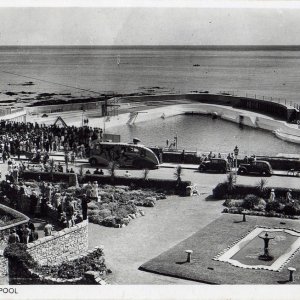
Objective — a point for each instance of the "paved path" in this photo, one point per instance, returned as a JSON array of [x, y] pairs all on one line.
[[169, 222]]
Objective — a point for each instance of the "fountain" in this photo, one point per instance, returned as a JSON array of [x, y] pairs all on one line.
[[266, 256]]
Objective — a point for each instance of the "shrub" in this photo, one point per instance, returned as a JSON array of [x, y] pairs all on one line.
[[109, 221], [233, 203], [95, 219], [261, 206], [93, 212], [289, 210], [18, 252], [104, 213], [261, 187], [250, 201], [92, 206], [220, 191], [273, 206]]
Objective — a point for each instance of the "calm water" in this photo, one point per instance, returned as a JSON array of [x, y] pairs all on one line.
[[269, 73], [204, 134]]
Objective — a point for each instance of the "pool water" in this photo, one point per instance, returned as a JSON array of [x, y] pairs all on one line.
[[202, 133]]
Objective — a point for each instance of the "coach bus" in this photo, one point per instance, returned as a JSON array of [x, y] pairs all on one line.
[[126, 155]]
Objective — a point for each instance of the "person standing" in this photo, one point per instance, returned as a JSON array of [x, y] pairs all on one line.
[[84, 206], [66, 159], [26, 233], [272, 196], [13, 237], [70, 213], [33, 235], [289, 196], [48, 229]]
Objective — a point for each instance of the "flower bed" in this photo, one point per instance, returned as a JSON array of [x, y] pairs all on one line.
[[257, 206], [119, 205], [240, 190], [76, 268], [255, 199], [25, 270], [9, 216]]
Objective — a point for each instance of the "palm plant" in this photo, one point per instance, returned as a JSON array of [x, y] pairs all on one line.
[[112, 167], [145, 174], [261, 186], [230, 183], [178, 174]]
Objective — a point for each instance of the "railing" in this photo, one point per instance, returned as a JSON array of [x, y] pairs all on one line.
[[282, 101]]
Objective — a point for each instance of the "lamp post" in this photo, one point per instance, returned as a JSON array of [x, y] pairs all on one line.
[[176, 140], [236, 153], [82, 116]]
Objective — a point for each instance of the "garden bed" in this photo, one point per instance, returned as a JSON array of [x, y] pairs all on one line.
[[9, 216], [255, 200], [25, 270], [168, 185], [118, 205]]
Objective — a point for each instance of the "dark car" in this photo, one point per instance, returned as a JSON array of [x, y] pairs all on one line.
[[215, 164], [259, 167]]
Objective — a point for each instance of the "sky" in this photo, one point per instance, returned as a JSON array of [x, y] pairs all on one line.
[[149, 25]]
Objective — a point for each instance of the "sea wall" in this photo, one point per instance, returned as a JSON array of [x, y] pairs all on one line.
[[54, 249], [64, 107]]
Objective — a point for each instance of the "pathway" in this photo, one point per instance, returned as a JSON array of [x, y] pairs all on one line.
[[169, 222]]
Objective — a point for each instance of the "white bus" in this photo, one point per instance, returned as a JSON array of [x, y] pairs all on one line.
[[126, 155]]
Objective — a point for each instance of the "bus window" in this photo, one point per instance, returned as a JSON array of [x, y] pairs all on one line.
[[143, 152]]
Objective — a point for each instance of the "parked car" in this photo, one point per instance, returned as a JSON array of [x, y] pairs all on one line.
[[259, 167], [215, 164]]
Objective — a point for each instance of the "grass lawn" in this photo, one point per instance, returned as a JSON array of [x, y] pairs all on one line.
[[212, 240]]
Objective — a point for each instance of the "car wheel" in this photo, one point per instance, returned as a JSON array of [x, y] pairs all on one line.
[[265, 173], [201, 169], [242, 172], [93, 161]]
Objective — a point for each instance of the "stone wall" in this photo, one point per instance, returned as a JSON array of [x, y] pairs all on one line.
[[69, 242], [19, 273], [3, 265]]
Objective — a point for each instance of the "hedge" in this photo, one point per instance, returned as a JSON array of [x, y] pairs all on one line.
[[221, 191], [176, 157], [163, 184]]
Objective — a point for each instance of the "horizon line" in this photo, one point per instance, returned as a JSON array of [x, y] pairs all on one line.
[[159, 46]]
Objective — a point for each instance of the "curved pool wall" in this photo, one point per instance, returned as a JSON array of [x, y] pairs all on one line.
[[281, 129], [281, 111]]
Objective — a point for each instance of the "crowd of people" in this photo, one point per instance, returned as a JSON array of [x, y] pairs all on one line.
[[23, 234], [230, 158], [18, 138]]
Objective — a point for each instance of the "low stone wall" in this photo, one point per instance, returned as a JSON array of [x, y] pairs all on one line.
[[54, 249], [19, 273], [3, 265]]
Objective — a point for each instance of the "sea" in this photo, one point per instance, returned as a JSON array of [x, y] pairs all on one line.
[[81, 71], [72, 72]]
